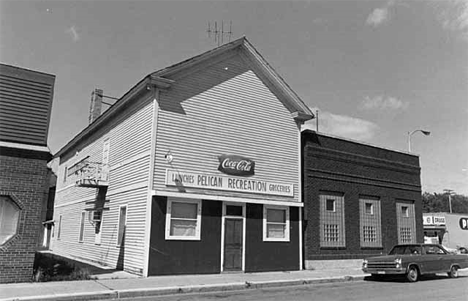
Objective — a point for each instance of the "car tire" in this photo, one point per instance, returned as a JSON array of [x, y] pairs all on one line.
[[453, 272], [413, 274]]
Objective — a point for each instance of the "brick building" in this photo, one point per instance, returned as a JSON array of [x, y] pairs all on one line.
[[25, 103], [359, 200]]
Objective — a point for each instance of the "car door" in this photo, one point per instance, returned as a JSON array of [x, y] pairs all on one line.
[[437, 259], [431, 259]]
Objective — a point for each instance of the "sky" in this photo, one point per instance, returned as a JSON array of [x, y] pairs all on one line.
[[374, 70]]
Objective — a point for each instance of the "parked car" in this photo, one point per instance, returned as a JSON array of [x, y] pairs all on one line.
[[414, 260]]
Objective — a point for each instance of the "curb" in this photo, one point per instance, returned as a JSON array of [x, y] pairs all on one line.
[[145, 292]]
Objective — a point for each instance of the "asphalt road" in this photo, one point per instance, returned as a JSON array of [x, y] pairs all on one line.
[[438, 288]]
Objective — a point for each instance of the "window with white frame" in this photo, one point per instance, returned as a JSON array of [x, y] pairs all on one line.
[[96, 217], [332, 223], [82, 225], [9, 216], [406, 222], [122, 225], [59, 227], [183, 219], [275, 223], [370, 222]]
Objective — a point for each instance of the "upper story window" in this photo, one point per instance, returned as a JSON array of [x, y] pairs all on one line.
[[9, 217]]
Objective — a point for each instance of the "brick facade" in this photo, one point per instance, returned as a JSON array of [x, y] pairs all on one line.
[[24, 178], [355, 170]]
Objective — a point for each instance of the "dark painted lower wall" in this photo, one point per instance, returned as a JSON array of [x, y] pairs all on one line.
[[171, 257], [263, 256]]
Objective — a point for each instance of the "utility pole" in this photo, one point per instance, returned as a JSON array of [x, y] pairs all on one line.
[[449, 192]]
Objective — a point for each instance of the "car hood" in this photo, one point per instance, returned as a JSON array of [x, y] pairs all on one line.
[[384, 258]]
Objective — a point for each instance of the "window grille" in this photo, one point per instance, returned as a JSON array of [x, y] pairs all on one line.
[[332, 223]]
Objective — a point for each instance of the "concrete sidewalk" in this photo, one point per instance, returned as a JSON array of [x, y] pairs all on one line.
[[132, 287]]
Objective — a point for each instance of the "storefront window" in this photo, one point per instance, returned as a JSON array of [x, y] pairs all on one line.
[[9, 216], [183, 219], [275, 223]]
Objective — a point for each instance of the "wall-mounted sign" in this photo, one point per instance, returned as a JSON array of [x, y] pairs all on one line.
[[464, 223], [215, 182], [236, 165], [434, 220]]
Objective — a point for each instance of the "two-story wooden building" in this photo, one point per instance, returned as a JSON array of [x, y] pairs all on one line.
[[196, 169]]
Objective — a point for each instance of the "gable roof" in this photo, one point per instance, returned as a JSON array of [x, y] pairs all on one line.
[[299, 110]]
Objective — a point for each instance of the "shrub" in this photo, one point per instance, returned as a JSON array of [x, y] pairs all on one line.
[[50, 267]]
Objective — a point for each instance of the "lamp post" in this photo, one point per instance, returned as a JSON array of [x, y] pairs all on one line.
[[449, 192], [427, 133]]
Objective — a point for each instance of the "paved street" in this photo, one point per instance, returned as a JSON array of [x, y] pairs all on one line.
[[429, 289]]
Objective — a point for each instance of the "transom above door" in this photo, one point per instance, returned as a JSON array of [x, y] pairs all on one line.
[[233, 238]]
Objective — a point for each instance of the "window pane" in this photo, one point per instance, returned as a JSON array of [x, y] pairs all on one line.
[[122, 221], [276, 231], [82, 221], [330, 205], [184, 210], [183, 227], [9, 215], [404, 211], [276, 216], [369, 208], [234, 210]]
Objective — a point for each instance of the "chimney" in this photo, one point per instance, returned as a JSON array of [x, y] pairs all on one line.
[[96, 105]]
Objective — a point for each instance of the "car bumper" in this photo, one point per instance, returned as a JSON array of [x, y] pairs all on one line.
[[393, 271]]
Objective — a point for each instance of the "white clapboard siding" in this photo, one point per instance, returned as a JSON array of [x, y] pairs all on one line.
[[226, 109], [129, 161], [106, 253]]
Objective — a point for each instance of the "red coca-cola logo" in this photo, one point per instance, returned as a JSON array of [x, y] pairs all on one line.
[[236, 165]]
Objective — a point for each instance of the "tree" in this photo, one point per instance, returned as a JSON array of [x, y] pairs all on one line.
[[439, 202]]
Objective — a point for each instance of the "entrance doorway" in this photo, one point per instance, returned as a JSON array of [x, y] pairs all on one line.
[[233, 237]]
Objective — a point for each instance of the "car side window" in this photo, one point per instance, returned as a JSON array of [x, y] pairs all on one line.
[[429, 250], [434, 250]]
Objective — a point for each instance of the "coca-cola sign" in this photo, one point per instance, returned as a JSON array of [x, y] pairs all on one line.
[[236, 165]]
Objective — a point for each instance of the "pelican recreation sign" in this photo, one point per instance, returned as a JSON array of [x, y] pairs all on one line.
[[217, 182]]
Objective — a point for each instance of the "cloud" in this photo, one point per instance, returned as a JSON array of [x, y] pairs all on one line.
[[380, 15], [343, 126], [377, 17], [453, 15], [73, 33], [381, 102]]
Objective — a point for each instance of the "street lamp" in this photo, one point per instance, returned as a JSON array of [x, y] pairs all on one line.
[[449, 192], [427, 133]]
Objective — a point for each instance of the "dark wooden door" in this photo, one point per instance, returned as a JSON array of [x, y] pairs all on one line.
[[233, 244]]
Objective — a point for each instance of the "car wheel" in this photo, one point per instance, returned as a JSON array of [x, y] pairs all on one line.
[[412, 274], [453, 272]]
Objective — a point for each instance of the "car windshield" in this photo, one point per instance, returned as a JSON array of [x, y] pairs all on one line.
[[405, 250]]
